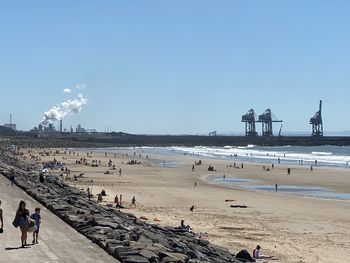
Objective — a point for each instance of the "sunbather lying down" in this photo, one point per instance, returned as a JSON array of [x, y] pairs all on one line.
[[238, 206]]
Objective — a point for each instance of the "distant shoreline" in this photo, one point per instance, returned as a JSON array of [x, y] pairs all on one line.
[[123, 139]]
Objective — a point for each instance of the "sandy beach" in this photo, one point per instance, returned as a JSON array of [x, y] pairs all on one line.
[[289, 228]]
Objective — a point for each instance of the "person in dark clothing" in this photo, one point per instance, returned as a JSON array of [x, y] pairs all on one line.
[[12, 177], [41, 178], [1, 220], [22, 221], [133, 201]]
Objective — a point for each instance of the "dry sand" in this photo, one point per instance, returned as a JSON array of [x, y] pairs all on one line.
[[290, 228]]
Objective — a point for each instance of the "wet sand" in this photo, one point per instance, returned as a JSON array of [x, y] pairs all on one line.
[[291, 228]]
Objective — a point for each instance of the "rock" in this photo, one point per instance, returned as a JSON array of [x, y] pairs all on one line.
[[135, 259], [150, 255], [244, 256], [173, 257]]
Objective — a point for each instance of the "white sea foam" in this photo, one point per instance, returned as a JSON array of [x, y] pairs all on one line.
[[268, 153]]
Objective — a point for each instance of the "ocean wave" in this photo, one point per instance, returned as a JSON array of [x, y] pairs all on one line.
[[270, 154], [322, 153]]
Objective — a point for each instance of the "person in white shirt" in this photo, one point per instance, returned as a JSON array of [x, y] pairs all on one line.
[[256, 252]]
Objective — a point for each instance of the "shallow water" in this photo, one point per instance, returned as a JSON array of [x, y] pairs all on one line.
[[302, 191]]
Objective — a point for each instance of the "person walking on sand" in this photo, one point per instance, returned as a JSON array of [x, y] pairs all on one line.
[[37, 218], [1, 220], [276, 186], [120, 171], [22, 221], [133, 201], [116, 200], [192, 167], [120, 200]]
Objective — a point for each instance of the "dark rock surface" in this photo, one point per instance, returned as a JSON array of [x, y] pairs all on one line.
[[122, 235]]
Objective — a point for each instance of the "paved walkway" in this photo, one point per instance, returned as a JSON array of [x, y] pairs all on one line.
[[58, 242]]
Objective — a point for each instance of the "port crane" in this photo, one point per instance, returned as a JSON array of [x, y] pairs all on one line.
[[249, 119], [316, 122], [267, 118]]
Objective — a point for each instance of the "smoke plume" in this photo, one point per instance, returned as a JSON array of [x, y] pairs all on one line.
[[65, 109], [67, 91]]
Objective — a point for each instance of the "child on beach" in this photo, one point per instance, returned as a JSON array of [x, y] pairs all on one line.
[[37, 218]]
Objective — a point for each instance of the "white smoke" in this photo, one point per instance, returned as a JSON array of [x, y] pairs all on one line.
[[67, 91], [65, 109], [80, 86]]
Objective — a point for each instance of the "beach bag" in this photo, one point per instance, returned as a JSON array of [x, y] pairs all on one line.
[[31, 226], [16, 222]]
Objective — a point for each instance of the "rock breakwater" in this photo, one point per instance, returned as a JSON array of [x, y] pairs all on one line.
[[121, 234]]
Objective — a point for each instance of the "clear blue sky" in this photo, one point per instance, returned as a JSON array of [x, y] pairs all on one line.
[[176, 66]]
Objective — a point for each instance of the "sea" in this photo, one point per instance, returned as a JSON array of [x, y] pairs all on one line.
[[322, 156]]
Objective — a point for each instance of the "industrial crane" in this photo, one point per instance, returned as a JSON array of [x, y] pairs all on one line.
[[249, 120], [316, 121], [267, 118]]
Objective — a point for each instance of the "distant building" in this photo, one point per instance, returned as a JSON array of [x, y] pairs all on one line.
[[51, 128], [11, 126], [79, 129]]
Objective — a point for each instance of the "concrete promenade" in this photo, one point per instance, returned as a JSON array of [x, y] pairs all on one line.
[[58, 242]]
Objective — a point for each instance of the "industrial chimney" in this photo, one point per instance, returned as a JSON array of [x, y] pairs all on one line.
[[61, 125]]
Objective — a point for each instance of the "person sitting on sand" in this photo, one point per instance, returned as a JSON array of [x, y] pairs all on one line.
[[183, 227], [256, 252]]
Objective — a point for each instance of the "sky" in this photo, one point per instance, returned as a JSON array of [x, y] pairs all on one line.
[[175, 67]]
